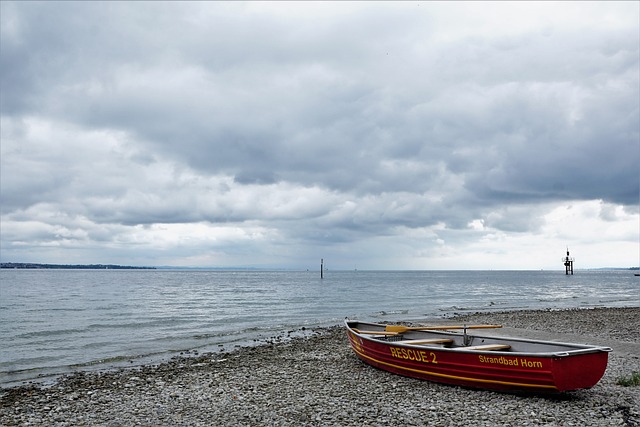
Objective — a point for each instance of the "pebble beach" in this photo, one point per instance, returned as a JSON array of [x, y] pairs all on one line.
[[318, 381]]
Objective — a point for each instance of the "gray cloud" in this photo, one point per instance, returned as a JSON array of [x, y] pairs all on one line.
[[357, 121]]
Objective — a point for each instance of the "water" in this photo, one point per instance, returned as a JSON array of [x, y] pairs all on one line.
[[58, 321]]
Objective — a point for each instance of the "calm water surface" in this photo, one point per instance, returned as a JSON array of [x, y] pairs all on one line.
[[58, 321]]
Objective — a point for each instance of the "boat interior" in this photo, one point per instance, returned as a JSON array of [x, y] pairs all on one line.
[[463, 340]]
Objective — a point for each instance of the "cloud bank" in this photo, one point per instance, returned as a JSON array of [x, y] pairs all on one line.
[[375, 135]]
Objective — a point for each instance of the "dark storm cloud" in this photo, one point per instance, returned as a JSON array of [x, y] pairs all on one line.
[[267, 103]]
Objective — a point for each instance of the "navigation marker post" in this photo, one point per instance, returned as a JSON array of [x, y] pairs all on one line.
[[568, 263]]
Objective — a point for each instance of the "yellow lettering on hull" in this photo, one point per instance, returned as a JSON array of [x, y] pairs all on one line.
[[530, 363], [510, 361], [413, 354]]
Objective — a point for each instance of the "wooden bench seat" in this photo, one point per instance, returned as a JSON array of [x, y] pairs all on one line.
[[358, 331], [488, 347], [428, 341]]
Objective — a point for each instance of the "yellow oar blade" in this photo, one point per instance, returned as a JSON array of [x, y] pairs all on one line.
[[400, 329]]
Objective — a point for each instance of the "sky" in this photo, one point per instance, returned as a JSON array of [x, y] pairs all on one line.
[[373, 135]]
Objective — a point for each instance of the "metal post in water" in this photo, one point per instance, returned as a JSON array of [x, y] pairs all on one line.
[[568, 264], [321, 268]]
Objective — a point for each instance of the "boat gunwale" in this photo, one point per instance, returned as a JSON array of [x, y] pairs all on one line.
[[576, 349]]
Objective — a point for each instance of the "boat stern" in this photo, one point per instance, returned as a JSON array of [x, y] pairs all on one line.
[[574, 372]]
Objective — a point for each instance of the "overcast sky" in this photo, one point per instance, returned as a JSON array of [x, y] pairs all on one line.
[[375, 135]]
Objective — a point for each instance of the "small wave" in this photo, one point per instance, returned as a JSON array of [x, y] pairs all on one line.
[[50, 333], [460, 308], [391, 312], [617, 300], [484, 308], [114, 360]]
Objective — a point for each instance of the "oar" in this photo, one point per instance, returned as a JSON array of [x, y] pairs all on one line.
[[387, 333], [402, 329]]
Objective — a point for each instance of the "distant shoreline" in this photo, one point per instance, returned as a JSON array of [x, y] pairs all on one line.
[[32, 266], [35, 266]]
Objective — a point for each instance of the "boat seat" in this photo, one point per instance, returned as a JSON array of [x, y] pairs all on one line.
[[428, 341], [488, 347], [358, 331]]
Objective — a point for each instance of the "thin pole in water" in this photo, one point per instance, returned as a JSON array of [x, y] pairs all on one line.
[[321, 268]]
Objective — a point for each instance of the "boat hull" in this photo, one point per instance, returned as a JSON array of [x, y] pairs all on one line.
[[560, 370]]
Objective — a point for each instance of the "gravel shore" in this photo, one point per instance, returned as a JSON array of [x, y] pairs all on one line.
[[318, 381]]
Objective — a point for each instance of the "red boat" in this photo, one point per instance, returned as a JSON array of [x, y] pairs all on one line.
[[487, 362]]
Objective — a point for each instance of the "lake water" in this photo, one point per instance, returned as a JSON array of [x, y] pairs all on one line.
[[59, 321]]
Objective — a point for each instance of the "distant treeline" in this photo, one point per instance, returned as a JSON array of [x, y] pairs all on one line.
[[73, 266]]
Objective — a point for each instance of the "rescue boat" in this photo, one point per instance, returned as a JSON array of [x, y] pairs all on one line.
[[437, 353]]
